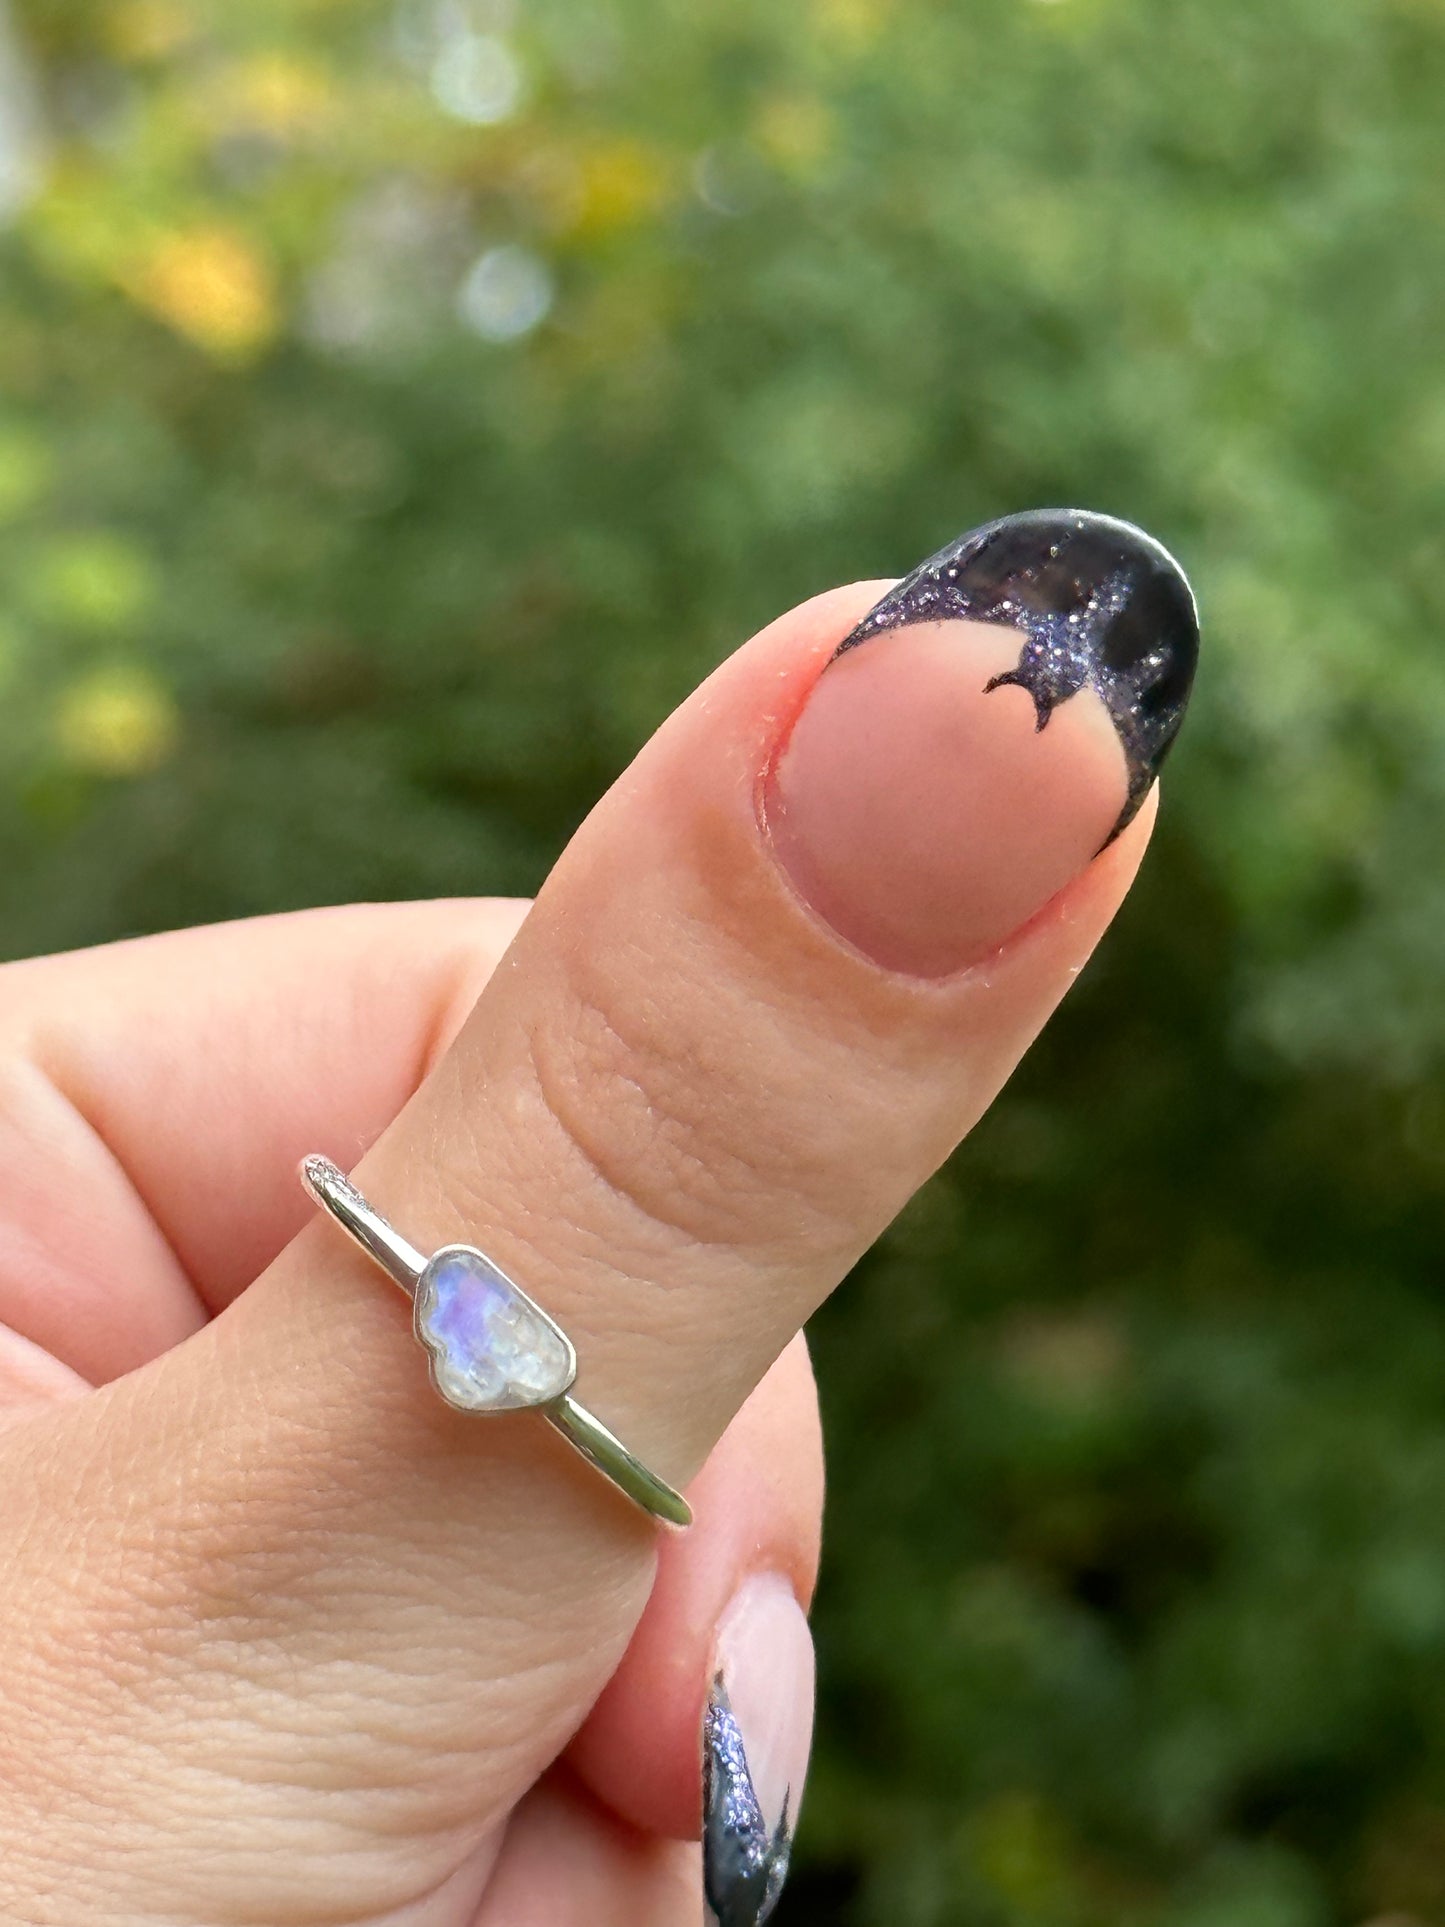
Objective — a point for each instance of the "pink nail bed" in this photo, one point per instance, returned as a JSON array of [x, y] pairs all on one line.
[[981, 735]]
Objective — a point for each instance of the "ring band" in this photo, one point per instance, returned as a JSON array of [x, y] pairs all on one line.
[[491, 1347]]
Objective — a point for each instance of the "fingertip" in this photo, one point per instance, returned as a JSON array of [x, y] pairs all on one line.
[[922, 811], [758, 1502]]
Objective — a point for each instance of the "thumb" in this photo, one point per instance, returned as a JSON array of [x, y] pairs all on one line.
[[310, 1632]]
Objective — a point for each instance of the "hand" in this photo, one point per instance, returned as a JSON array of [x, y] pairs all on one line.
[[288, 1642]]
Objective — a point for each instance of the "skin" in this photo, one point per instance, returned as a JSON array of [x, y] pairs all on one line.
[[977, 758], [286, 1642]]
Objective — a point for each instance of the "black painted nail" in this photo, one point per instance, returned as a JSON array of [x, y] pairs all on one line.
[[756, 1732], [1100, 605]]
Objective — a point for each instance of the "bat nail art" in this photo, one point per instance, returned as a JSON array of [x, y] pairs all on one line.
[[745, 1862], [1098, 605]]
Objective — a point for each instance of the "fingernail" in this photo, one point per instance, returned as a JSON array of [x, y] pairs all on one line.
[[757, 1731], [983, 732]]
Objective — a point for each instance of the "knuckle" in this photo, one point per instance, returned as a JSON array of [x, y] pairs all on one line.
[[470, 942], [689, 1142]]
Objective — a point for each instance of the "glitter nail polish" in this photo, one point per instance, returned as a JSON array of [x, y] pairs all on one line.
[[756, 1732], [1099, 605]]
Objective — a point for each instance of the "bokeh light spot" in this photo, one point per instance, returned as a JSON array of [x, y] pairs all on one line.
[[621, 183], [477, 78], [213, 285], [506, 294], [797, 132], [149, 29], [276, 94], [117, 721], [92, 581]]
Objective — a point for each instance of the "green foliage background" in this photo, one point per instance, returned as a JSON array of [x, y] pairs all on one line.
[[1134, 1608]]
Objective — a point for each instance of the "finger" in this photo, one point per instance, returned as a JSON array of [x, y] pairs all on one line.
[[702, 1081], [570, 1862], [172, 1083], [734, 1589]]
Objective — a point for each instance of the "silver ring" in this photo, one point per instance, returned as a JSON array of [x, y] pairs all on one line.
[[491, 1348]]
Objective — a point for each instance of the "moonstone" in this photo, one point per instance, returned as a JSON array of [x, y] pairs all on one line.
[[492, 1349]]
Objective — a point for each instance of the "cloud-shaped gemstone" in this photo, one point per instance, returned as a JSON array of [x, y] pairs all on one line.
[[492, 1349]]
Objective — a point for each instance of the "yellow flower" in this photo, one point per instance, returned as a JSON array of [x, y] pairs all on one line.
[[213, 285], [118, 721], [619, 184], [274, 94]]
